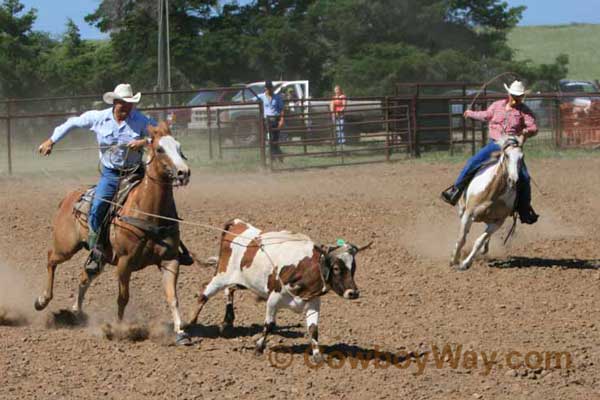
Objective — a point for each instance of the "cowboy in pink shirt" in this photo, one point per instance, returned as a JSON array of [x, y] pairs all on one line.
[[504, 117]]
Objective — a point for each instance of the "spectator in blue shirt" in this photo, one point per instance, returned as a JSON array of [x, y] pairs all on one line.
[[273, 111], [121, 135]]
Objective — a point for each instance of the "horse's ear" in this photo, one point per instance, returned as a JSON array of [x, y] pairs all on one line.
[[151, 130], [164, 127]]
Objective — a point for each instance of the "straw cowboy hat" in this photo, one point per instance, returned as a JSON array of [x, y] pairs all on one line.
[[123, 92], [516, 88]]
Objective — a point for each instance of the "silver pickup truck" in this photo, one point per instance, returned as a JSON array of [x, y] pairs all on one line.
[[311, 117]]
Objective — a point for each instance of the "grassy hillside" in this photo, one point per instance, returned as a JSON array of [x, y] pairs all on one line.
[[541, 44]]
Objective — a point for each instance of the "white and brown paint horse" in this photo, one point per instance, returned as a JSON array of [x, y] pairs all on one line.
[[131, 247], [490, 198]]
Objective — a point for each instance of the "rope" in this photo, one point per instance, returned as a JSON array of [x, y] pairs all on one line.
[[197, 224], [487, 83], [537, 187]]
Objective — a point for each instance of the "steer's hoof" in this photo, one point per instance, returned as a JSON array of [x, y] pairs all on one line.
[[317, 358], [226, 329], [259, 349], [183, 339]]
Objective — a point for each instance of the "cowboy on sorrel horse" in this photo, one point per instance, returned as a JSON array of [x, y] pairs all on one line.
[[137, 237]]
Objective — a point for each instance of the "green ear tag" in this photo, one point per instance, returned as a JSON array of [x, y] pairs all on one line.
[[340, 242]]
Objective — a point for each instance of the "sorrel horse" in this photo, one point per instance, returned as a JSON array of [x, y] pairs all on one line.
[[136, 240], [490, 198]]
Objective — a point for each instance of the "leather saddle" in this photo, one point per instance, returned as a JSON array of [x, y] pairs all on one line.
[[82, 207]]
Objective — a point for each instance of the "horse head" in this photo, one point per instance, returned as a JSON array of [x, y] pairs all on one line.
[[512, 154], [166, 156]]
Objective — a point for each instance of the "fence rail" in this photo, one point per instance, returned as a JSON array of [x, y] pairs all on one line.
[[371, 129]]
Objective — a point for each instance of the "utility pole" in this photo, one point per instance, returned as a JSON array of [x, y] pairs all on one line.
[[164, 50]]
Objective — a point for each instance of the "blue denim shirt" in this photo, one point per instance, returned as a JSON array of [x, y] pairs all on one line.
[[273, 106], [110, 133]]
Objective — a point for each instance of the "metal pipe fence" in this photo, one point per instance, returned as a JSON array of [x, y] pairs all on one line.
[[232, 131]]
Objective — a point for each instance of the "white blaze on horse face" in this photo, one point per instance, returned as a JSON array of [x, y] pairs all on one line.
[[515, 155], [172, 149]]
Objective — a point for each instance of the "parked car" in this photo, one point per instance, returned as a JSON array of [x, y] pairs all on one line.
[[567, 87], [181, 117], [308, 115]]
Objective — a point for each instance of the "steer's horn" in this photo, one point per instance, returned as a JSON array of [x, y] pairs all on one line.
[[365, 247]]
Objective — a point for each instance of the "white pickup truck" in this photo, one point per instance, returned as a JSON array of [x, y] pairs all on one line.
[[301, 111]]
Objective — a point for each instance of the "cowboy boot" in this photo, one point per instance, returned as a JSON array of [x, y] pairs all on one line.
[[452, 195], [95, 259], [527, 215]]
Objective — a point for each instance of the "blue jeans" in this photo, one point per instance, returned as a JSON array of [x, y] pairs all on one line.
[[484, 154], [339, 129], [106, 189]]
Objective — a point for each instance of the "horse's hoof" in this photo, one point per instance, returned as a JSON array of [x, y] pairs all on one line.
[[463, 267], [39, 306], [183, 339]]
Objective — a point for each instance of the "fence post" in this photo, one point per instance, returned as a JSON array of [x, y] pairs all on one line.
[[8, 136], [557, 123], [305, 128], [220, 133], [450, 128], [262, 136], [416, 150], [210, 145], [387, 128]]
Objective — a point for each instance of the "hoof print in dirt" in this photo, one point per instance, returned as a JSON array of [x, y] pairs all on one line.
[[66, 318]]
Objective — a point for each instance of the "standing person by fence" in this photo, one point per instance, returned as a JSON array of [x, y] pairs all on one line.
[[273, 110], [338, 107]]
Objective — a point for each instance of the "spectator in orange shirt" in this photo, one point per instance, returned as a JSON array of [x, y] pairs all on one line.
[[338, 107]]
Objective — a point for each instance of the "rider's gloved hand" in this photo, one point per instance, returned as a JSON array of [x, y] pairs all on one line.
[[137, 144], [46, 148]]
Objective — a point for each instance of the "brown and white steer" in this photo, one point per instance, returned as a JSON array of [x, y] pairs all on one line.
[[288, 269]]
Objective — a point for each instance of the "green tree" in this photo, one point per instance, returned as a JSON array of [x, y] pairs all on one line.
[[20, 48]]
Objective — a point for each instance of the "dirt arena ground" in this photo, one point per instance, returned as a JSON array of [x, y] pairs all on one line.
[[538, 295]]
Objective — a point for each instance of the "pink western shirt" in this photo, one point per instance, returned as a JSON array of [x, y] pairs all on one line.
[[506, 122]]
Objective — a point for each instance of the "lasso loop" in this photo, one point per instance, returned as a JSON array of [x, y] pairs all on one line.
[[482, 88]]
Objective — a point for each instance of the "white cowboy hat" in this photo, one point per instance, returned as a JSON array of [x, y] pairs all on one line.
[[123, 92], [516, 88]]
